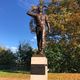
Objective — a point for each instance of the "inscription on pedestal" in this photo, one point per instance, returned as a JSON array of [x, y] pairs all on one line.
[[38, 69]]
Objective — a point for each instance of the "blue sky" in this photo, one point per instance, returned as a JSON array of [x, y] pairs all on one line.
[[14, 23]]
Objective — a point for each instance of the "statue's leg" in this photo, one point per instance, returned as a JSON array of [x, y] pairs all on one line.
[[39, 41], [43, 38]]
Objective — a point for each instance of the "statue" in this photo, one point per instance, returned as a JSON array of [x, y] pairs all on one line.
[[41, 21]]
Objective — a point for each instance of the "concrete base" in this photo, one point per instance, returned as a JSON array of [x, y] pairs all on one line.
[[39, 68]]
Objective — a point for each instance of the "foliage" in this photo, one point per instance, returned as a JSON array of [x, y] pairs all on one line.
[[7, 58], [62, 60], [54, 54], [20, 60], [64, 18], [24, 54]]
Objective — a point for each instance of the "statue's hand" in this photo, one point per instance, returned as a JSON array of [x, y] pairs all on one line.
[[34, 7]]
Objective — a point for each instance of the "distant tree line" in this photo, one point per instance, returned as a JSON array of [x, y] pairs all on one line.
[[20, 60], [60, 59], [7, 58]]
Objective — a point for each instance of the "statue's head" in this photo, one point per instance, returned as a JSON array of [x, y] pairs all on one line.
[[40, 9]]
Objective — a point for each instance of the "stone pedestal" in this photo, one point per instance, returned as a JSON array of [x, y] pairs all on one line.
[[39, 69]]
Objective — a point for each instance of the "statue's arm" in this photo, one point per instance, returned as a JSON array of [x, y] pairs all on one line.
[[47, 22], [30, 13]]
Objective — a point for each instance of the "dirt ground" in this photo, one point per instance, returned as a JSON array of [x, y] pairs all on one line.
[[52, 76], [64, 76]]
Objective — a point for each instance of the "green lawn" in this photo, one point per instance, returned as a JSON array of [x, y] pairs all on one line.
[[18, 75]]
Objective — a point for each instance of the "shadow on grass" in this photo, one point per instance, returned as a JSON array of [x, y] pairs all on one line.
[[15, 71]]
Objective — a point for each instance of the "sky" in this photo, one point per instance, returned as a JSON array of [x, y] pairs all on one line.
[[14, 23]]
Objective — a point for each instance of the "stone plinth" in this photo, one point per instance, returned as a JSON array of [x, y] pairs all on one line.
[[39, 68]]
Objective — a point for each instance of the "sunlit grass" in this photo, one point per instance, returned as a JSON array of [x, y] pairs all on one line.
[[22, 75], [19, 75]]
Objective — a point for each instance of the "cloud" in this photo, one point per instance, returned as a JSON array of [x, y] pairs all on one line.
[[12, 48], [34, 37], [32, 40], [6, 47]]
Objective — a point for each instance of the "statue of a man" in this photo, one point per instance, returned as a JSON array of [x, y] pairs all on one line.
[[41, 21]]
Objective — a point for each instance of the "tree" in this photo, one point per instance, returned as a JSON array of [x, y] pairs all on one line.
[[65, 20], [64, 17], [7, 59], [24, 54], [54, 54]]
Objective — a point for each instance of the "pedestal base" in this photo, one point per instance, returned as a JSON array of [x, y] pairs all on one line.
[[39, 68]]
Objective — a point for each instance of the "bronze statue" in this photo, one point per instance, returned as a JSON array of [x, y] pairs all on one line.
[[41, 21]]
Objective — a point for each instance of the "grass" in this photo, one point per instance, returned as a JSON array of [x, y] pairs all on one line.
[[18, 75], [22, 75]]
